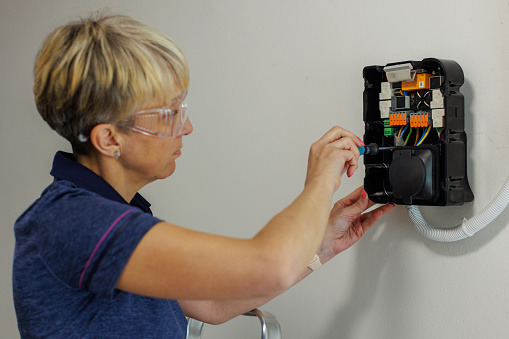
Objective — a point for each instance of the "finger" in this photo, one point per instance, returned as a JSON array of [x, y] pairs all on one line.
[[347, 156], [352, 168], [371, 203], [358, 206], [351, 198], [387, 208], [337, 133], [348, 143], [374, 215], [371, 219]]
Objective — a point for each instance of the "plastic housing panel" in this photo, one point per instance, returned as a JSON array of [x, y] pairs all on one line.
[[435, 171]]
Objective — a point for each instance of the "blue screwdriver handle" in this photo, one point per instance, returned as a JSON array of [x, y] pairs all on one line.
[[370, 149]]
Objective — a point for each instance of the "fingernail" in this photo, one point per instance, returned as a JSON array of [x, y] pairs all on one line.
[[364, 194], [362, 142]]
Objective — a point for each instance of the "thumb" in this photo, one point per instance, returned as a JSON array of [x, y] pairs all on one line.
[[358, 207]]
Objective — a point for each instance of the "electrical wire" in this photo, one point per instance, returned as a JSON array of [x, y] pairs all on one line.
[[403, 132], [417, 136], [408, 136], [424, 136]]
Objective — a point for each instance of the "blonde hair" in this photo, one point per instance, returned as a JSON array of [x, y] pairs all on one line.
[[100, 69]]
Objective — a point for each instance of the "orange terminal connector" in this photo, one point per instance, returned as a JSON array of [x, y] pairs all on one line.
[[419, 120], [397, 118]]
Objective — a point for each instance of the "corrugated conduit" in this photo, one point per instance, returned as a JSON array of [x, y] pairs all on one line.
[[468, 227]]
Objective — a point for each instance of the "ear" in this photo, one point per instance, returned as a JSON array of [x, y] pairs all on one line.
[[106, 139]]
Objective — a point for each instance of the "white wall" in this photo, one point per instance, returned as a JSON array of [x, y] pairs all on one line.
[[269, 78]]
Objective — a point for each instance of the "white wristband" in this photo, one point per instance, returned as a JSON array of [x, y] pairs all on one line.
[[315, 263]]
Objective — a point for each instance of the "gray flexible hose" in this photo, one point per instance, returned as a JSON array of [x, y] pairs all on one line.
[[468, 227]]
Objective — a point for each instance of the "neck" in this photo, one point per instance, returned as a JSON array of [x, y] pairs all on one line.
[[112, 171]]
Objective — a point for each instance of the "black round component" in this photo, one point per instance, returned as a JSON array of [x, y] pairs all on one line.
[[407, 176]]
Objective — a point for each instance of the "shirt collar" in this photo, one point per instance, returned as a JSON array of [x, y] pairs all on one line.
[[65, 167]]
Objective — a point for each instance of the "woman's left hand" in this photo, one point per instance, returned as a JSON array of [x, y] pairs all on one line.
[[347, 223]]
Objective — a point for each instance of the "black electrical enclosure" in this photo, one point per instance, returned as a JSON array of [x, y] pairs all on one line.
[[416, 110]]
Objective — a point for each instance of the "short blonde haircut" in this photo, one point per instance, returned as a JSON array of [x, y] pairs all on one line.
[[100, 69]]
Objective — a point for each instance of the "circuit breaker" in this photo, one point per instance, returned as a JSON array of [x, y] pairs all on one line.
[[414, 111]]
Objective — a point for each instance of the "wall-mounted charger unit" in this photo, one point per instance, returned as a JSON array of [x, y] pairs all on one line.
[[414, 111]]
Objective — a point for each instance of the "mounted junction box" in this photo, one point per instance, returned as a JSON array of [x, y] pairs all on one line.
[[416, 109]]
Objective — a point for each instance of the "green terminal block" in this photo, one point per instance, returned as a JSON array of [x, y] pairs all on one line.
[[388, 129]]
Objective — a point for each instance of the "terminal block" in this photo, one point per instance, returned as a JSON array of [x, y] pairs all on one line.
[[419, 120], [398, 118], [414, 111]]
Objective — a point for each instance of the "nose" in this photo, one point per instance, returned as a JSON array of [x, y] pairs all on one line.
[[188, 127]]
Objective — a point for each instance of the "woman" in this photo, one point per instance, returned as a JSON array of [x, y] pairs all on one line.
[[91, 260]]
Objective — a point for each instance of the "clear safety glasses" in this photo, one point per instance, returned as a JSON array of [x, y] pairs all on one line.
[[165, 122]]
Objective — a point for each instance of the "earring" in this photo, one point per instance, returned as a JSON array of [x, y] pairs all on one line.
[[116, 154]]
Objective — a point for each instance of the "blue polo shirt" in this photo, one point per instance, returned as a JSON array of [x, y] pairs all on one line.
[[71, 246]]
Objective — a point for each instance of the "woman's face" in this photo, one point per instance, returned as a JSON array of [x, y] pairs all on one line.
[[148, 158]]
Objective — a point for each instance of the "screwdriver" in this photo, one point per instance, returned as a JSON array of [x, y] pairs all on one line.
[[373, 149]]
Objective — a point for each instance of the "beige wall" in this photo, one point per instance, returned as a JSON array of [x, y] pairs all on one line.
[[268, 78]]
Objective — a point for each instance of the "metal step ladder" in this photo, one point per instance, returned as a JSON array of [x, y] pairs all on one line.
[[269, 323]]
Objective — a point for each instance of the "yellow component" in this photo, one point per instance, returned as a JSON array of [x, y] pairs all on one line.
[[397, 118], [421, 81], [419, 120]]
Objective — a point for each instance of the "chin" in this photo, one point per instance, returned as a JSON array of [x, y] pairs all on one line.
[[170, 171]]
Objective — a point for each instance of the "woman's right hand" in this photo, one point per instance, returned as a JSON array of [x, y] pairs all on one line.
[[331, 156]]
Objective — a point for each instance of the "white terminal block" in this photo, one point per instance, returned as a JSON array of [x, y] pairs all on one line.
[[385, 91], [385, 109], [437, 115], [437, 99]]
